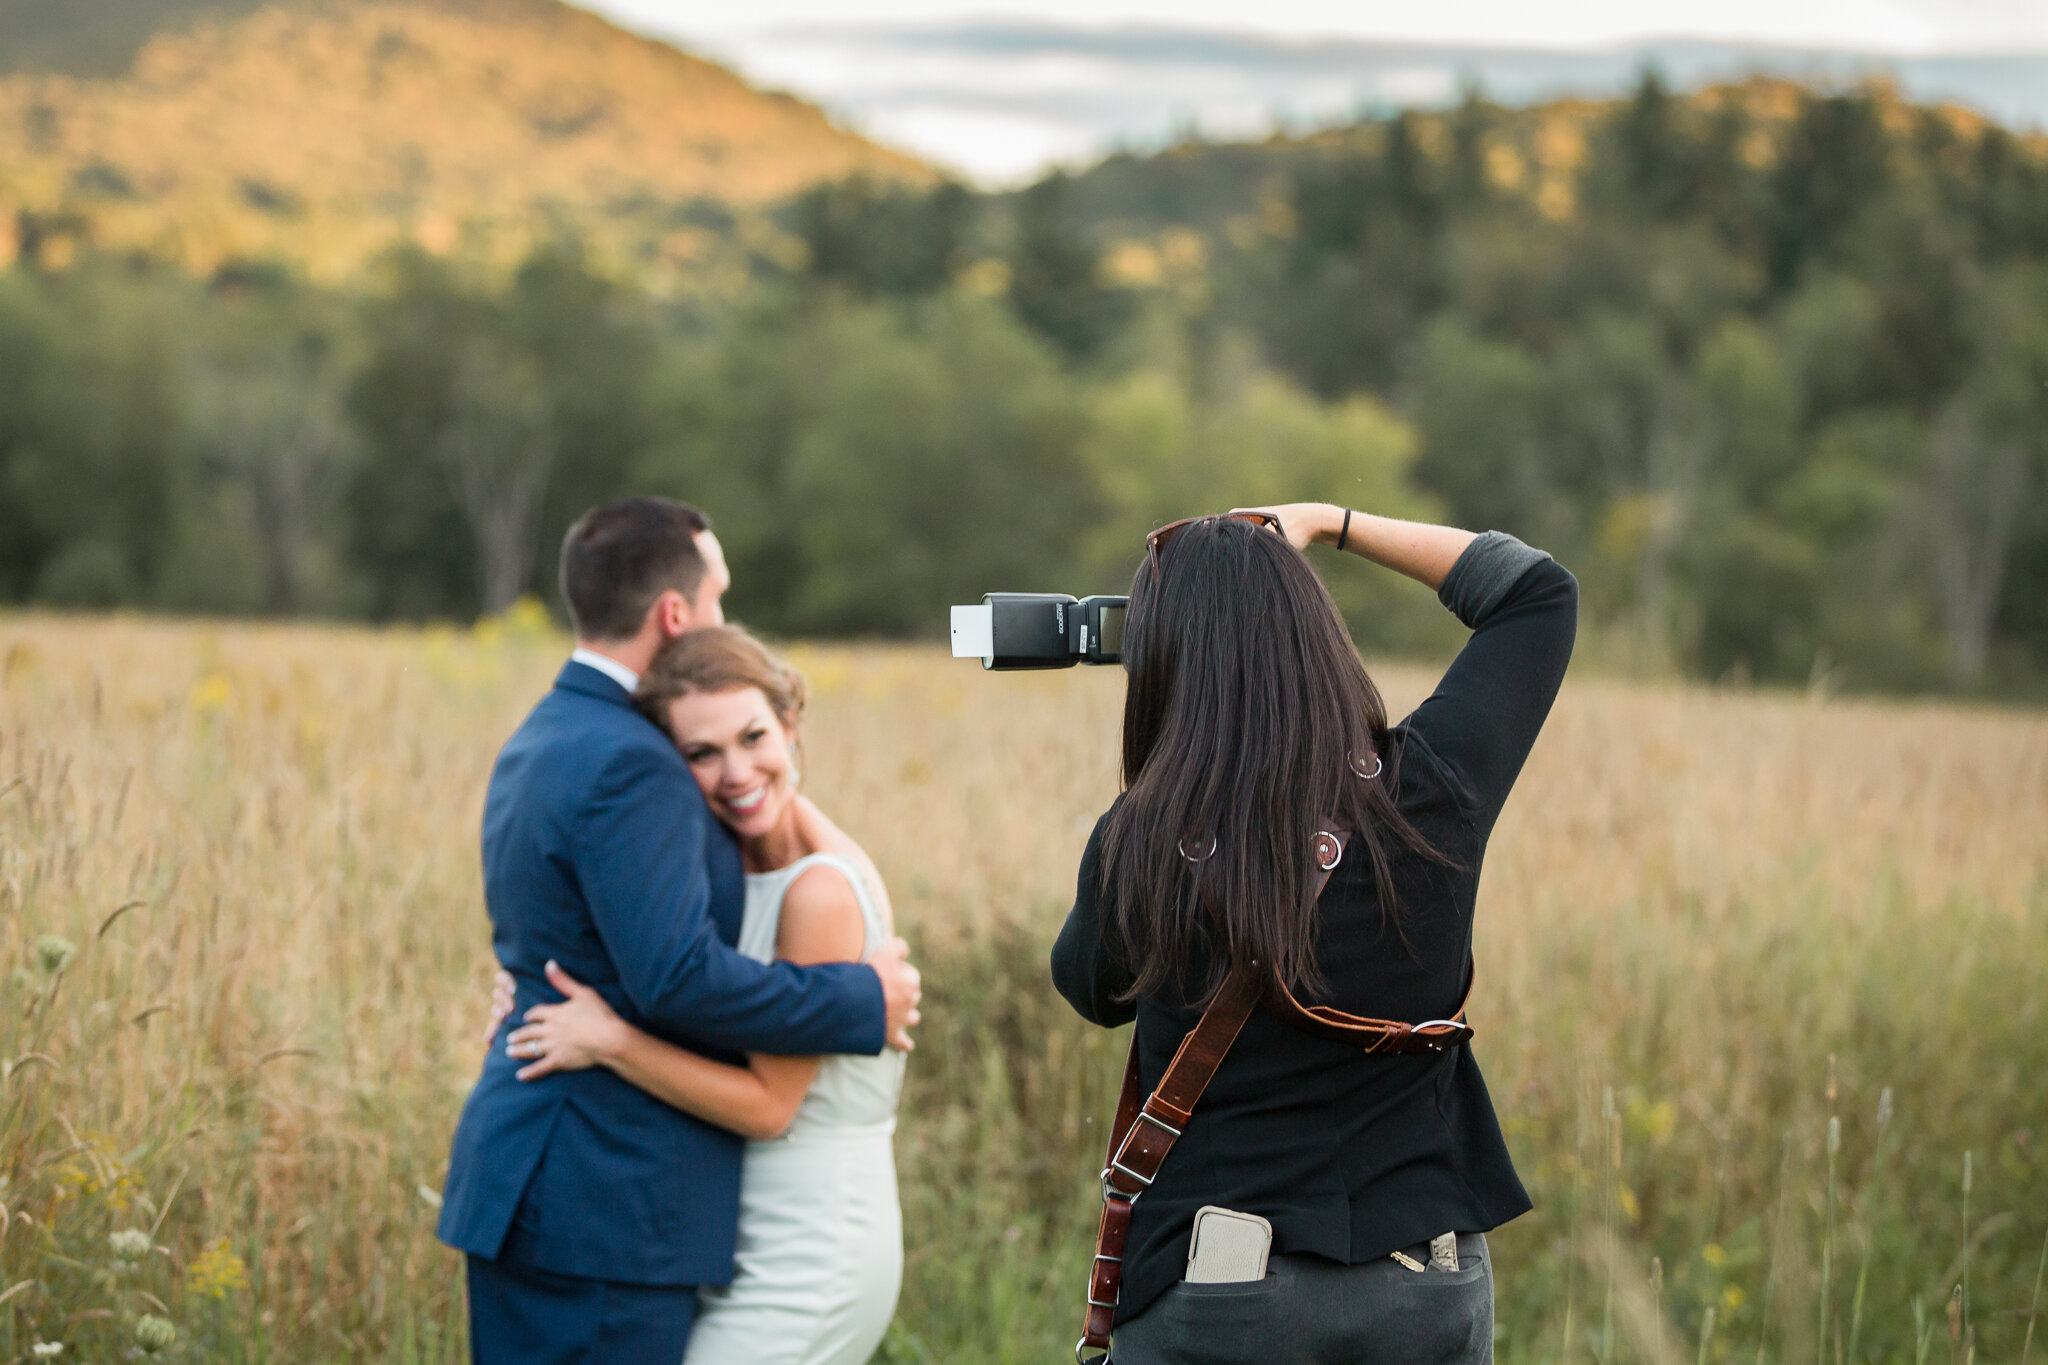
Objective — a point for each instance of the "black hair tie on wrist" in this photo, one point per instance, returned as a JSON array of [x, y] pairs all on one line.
[[1344, 534]]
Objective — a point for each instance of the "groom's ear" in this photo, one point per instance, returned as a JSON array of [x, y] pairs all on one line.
[[672, 615]]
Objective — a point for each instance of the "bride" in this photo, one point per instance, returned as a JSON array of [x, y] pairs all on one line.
[[820, 1252]]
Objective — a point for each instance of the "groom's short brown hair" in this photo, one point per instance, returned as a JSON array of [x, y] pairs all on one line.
[[620, 556]]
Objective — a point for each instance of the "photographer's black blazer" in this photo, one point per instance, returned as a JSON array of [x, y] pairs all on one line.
[[1350, 1156]]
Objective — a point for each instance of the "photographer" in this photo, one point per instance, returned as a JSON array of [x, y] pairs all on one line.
[[1250, 730]]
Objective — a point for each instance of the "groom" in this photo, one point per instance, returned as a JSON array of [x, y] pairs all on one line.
[[589, 1210]]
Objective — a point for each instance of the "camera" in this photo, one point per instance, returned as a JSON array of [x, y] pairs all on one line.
[[1012, 630]]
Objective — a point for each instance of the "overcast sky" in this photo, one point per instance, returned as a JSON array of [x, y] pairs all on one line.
[[997, 91]]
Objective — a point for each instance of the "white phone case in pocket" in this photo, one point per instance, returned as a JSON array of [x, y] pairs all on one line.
[[1228, 1247]]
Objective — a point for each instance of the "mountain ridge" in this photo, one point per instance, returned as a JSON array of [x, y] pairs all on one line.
[[323, 132]]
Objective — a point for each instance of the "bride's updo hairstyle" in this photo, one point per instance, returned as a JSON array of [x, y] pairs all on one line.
[[720, 659]]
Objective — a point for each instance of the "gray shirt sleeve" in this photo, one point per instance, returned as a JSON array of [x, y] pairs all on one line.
[[1490, 565], [1522, 608]]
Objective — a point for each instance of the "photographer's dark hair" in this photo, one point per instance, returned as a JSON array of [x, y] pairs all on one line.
[[1248, 720], [620, 556]]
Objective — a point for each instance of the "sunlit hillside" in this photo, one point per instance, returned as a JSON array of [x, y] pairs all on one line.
[[319, 133]]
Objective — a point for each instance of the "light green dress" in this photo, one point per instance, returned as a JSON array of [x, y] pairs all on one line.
[[820, 1253]]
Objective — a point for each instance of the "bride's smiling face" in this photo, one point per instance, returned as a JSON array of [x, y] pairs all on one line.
[[740, 752]]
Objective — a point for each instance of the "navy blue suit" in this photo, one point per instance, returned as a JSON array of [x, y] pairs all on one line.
[[588, 1207]]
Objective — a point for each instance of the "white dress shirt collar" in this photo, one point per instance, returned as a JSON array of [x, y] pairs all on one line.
[[611, 668]]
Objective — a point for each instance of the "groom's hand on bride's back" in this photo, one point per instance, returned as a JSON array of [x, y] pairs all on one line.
[[901, 990], [504, 993]]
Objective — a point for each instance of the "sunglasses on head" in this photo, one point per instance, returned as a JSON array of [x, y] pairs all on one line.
[[1155, 544]]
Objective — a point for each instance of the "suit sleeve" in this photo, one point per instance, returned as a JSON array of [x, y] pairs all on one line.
[[1086, 967], [640, 856], [1483, 718]]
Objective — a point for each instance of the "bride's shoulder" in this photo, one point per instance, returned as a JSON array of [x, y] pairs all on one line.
[[821, 918], [821, 835]]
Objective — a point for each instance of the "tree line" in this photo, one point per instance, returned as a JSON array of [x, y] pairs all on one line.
[[1775, 386]]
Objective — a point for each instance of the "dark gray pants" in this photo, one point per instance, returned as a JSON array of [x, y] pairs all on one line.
[[1312, 1311]]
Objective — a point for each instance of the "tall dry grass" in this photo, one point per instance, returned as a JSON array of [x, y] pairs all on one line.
[[1716, 928]]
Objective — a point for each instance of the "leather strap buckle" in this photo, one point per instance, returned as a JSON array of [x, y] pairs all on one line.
[[1110, 1191], [1161, 1124]]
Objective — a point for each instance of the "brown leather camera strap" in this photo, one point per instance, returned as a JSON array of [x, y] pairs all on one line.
[[1144, 1133]]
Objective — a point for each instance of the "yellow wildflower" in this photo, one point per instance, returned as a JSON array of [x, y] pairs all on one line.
[[212, 693], [215, 1271]]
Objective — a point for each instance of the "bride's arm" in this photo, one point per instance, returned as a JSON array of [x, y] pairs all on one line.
[[820, 922]]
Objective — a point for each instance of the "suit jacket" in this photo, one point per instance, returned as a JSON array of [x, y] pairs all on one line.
[[600, 853]]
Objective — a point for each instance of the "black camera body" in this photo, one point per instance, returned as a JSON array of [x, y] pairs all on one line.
[[1012, 630]]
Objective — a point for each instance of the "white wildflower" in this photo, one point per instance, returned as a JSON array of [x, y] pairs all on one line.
[[128, 1244], [54, 953], [154, 1334]]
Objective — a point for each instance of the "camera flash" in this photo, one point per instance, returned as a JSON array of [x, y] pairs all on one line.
[[974, 633]]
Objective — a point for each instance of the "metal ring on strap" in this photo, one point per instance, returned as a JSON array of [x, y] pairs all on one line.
[[1329, 850], [1440, 1043], [1110, 1191], [1080, 1359]]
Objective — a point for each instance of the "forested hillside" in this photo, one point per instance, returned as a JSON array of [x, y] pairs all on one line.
[[1767, 367], [1771, 364]]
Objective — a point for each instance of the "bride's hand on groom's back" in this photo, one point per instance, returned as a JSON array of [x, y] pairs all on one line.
[[901, 990], [583, 1031]]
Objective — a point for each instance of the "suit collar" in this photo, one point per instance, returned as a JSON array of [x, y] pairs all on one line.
[[610, 667], [583, 679]]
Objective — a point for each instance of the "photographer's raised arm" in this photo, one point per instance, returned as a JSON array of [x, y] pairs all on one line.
[[1417, 549], [1522, 608]]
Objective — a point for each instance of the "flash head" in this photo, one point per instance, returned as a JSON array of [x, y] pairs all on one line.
[[1012, 630]]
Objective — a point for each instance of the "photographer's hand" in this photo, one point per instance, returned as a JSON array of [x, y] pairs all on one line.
[[1423, 552], [1305, 523]]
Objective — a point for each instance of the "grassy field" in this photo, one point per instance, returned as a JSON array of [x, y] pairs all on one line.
[[1763, 1000]]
